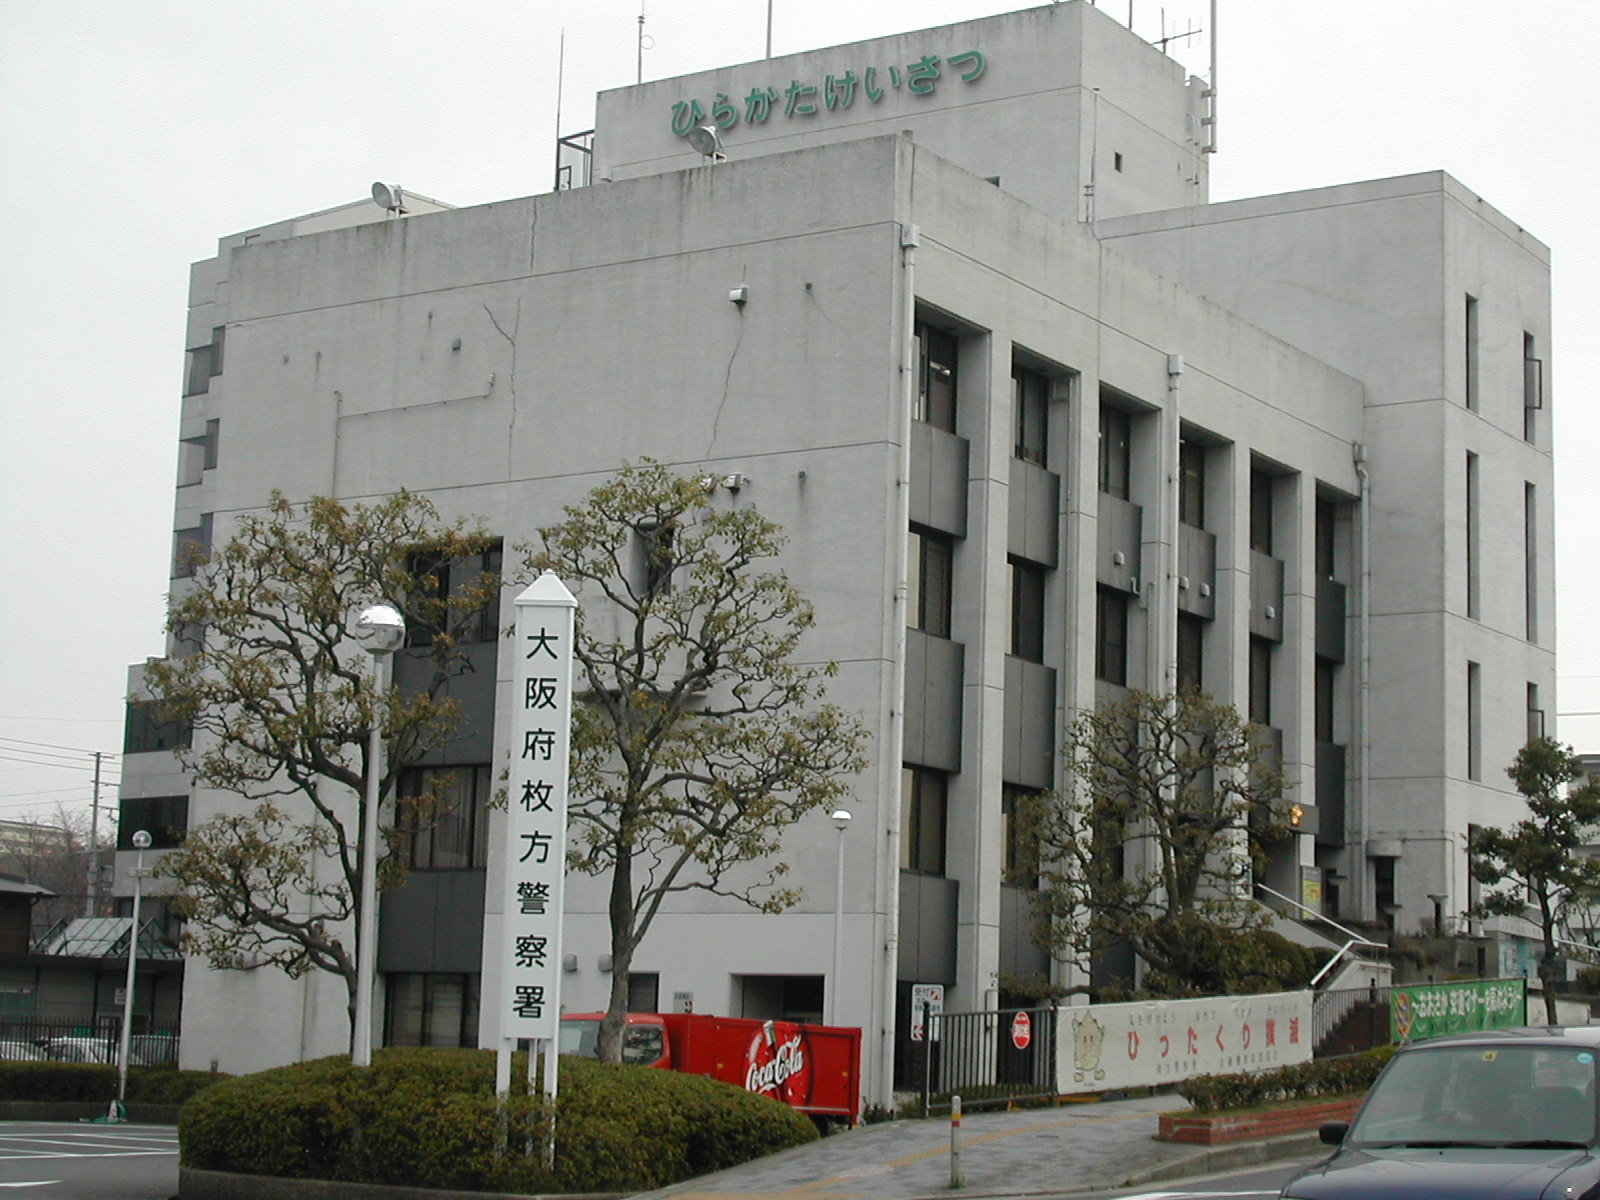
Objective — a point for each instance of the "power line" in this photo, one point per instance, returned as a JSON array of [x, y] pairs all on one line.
[[54, 746]]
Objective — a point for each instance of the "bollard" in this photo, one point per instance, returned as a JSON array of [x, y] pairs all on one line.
[[957, 1179]]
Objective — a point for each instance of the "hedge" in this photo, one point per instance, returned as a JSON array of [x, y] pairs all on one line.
[[1342, 1076], [429, 1118], [97, 1083]]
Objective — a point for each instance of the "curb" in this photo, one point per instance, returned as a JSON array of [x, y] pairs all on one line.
[[1225, 1158]]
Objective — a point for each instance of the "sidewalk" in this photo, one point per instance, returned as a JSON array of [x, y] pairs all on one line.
[[1077, 1147]]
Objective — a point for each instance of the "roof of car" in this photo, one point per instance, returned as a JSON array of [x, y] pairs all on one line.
[[1566, 1035]]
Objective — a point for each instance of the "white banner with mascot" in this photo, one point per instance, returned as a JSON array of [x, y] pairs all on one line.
[[1105, 1046]]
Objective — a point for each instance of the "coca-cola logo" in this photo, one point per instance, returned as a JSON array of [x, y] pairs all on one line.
[[778, 1063]]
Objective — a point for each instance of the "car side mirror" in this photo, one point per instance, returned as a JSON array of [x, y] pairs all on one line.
[[1332, 1132]]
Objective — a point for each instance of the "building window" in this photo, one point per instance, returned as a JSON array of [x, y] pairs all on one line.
[[1111, 636], [1471, 516], [1030, 414], [653, 558], [929, 584], [164, 818], [1116, 450], [936, 393], [1027, 611], [437, 579], [449, 826], [1192, 484], [1191, 643], [205, 362], [1261, 681], [1327, 539], [430, 1009], [143, 731], [1535, 713], [1530, 562], [1470, 354], [1474, 721], [923, 801], [1322, 718], [1019, 844], [1383, 888], [1261, 486], [191, 548], [1532, 387]]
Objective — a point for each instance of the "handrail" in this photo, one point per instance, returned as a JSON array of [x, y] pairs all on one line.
[[1355, 938]]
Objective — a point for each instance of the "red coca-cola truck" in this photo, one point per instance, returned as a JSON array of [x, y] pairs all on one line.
[[816, 1068]]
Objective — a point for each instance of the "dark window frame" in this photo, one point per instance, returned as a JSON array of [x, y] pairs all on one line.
[[1030, 414], [465, 823], [1111, 636], [924, 820], [1115, 472]]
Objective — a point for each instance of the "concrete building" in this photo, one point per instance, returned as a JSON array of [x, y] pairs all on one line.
[[954, 308]]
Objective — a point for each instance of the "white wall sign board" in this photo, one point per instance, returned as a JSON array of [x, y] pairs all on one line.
[[1102, 1046], [529, 999]]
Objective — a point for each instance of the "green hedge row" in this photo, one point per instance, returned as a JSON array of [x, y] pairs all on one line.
[[429, 1118], [96, 1083], [1321, 1077]]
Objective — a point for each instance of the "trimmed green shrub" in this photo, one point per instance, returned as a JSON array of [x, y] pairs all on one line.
[[1322, 1077], [430, 1118], [97, 1083]]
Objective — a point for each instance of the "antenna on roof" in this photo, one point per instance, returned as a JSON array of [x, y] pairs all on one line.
[[645, 43], [1210, 94]]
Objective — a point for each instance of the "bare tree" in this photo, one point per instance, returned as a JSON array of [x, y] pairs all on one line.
[[1154, 840], [1540, 868], [699, 736], [280, 697]]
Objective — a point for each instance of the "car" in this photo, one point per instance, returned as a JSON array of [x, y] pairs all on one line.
[[1505, 1113], [80, 1050], [21, 1052]]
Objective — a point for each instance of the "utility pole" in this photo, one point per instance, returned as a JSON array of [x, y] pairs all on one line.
[[92, 881]]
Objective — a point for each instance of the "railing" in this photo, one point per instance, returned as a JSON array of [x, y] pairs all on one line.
[[1331, 1013], [43, 1039], [988, 1058], [1354, 939]]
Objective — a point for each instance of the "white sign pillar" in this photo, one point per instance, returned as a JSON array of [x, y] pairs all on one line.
[[528, 1002]]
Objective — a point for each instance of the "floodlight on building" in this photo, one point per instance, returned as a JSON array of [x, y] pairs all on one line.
[[388, 196], [706, 140]]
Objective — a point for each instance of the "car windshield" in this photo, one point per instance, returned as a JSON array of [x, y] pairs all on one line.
[[1508, 1095], [641, 1044]]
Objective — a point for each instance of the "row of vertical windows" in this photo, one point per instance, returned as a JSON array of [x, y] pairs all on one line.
[[455, 834], [1532, 370]]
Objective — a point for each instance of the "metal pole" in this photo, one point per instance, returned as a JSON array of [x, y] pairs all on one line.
[[927, 1059], [366, 951], [141, 839], [957, 1179], [841, 822]]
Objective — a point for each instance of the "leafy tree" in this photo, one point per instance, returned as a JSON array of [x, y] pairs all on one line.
[[699, 737], [280, 697], [1154, 840], [1540, 864]]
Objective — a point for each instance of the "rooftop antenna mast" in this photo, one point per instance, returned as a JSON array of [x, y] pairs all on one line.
[[1210, 94], [645, 43], [561, 75]]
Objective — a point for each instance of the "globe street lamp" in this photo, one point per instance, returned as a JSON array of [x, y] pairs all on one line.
[[841, 822], [381, 630], [141, 843]]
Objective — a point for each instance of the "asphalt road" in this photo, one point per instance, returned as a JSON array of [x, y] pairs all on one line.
[[51, 1161], [1256, 1183]]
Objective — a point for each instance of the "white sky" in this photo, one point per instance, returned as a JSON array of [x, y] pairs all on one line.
[[132, 136]]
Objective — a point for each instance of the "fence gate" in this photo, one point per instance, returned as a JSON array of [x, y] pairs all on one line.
[[988, 1058]]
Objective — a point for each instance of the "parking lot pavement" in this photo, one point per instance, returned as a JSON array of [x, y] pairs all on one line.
[[55, 1161]]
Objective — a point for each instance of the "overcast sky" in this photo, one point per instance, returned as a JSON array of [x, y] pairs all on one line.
[[133, 135]]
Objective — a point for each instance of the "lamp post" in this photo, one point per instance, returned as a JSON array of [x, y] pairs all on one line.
[[141, 843], [841, 822], [381, 631]]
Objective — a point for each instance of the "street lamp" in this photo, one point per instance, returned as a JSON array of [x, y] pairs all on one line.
[[141, 843], [841, 822], [381, 630]]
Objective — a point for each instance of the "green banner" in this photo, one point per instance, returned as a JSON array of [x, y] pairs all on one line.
[[1427, 1010]]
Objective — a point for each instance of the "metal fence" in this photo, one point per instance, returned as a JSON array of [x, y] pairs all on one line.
[[1349, 1020], [988, 1058], [41, 1039]]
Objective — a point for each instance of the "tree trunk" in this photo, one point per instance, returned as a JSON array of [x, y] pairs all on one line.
[[622, 913]]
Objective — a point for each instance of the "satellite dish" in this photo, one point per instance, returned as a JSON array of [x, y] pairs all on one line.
[[706, 140], [388, 196]]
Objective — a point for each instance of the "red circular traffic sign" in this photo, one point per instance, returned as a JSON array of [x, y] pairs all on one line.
[[1021, 1031]]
